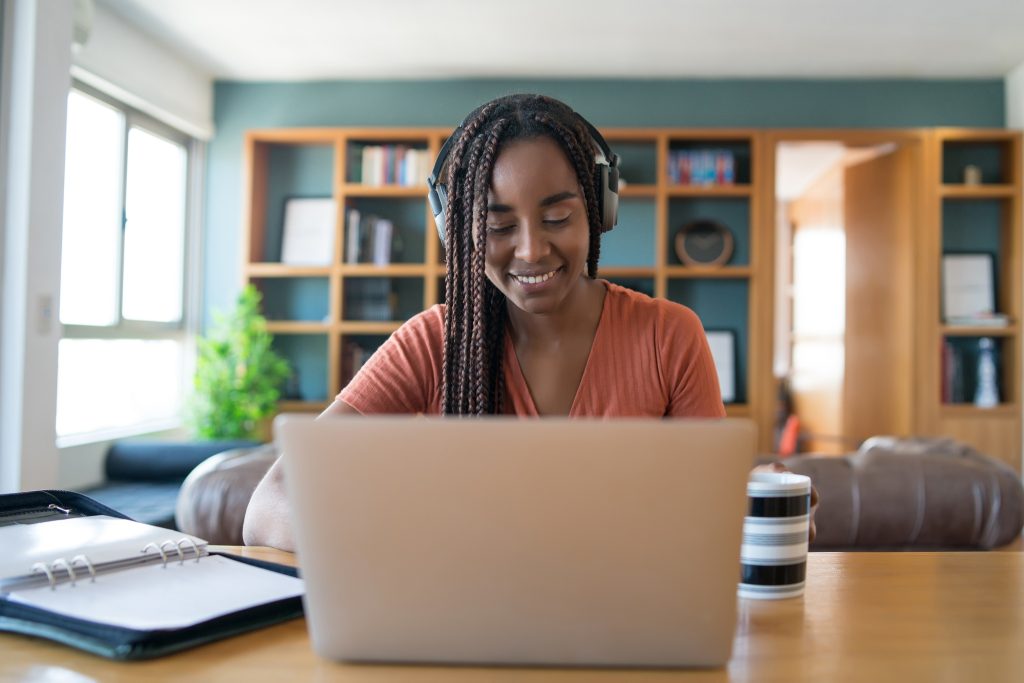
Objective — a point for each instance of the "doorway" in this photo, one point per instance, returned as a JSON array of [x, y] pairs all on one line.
[[844, 212]]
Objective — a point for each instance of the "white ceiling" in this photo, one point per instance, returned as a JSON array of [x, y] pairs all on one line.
[[340, 39]]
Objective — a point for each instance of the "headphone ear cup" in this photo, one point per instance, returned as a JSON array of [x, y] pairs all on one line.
[[608, 195], [438, 197]]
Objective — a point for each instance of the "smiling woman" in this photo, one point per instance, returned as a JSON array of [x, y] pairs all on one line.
[[522, 192]]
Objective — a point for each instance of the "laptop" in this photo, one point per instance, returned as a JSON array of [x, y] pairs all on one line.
[[521, 542]]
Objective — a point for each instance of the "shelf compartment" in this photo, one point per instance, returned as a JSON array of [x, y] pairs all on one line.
[[705, 151], [721, 304], [407, 244], [307, 356], [638, 160], [388, 163], [992, 157], [732, 212], [632, 241], [283, 172], [302, 300], [382, 299], [959, 376]]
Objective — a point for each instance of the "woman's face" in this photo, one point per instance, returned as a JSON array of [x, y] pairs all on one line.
[[538, 235]]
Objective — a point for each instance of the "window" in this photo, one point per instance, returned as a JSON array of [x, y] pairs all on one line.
[[122, 361]]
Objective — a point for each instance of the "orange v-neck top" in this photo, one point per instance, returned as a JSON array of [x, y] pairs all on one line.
[[649, 358]]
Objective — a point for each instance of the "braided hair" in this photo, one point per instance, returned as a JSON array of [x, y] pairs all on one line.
[[476, 316]]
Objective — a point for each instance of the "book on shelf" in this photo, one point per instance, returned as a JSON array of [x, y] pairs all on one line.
[[370, 299], [370, 239], [701, 167], [394, 165], [79, 573], [952, 387], [980, 320]]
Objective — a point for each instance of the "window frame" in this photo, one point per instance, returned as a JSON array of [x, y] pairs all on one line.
[[182, 331]]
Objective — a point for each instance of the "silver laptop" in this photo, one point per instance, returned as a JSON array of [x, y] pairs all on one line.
[[509, 541]]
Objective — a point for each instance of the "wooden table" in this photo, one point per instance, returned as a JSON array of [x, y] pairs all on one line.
[[865, 617]]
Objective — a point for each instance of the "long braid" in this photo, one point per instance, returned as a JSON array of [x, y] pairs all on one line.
[[476, 316], [569, 140]]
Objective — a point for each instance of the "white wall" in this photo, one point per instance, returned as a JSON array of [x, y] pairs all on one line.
[[127, 64], [1015, 98], [36, 78]]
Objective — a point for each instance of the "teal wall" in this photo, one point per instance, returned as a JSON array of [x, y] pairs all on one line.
[[705, 103]]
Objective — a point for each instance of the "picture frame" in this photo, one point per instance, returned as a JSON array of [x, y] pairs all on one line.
[[968, 285], [308, 231], [723, 351]]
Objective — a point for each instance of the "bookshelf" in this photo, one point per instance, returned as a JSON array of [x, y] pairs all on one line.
[[981, 216], [318, 313]]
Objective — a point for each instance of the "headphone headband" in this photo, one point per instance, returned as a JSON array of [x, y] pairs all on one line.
[[606, 180]]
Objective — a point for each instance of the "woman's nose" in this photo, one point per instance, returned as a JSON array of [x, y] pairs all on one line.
[[531, 242]]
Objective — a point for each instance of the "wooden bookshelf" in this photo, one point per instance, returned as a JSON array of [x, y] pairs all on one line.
[[978, 217], [325, 162]]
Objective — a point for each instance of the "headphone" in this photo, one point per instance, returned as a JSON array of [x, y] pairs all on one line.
[[606, 179]]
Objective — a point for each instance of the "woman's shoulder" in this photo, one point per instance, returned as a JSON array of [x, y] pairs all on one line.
[[427, 325], [639, 307]]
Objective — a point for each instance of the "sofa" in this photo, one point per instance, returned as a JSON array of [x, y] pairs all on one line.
[[892, 493], [142, 478]]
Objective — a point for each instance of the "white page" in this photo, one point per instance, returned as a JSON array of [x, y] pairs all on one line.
[[158, 597], [100, 538]]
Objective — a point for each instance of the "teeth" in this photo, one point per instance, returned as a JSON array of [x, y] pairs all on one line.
[[534, 279]]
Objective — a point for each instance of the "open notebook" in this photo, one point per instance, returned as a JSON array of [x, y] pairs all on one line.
[[128, 590]]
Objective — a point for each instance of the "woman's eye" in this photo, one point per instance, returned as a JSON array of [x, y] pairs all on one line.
[[499, 229], [556, 220]]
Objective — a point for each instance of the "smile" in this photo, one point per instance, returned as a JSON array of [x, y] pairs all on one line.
[[535, 279]]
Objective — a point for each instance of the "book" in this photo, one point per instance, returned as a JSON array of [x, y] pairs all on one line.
[[980, 320], [127, 590], [352, 237]]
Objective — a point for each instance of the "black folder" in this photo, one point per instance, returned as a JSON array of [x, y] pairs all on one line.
[[51, 597]]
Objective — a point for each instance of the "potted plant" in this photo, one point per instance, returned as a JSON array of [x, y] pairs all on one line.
[[238, 375]]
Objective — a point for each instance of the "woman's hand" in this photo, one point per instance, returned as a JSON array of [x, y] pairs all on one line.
[[779, 467]]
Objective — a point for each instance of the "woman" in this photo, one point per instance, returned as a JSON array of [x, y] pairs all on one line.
[[526, 329]]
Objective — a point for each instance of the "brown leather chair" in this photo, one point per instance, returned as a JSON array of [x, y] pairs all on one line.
[[891, 494], [913, 493]]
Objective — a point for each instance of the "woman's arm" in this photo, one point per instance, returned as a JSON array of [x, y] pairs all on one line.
[[268, 517]]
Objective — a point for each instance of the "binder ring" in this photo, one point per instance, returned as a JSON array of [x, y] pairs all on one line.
[[177, 548], [189, 541], [88, 565], [43, 567], [60, 561], [163, 555]]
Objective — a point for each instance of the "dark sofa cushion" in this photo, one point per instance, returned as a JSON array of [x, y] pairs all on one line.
[[162, 461]]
